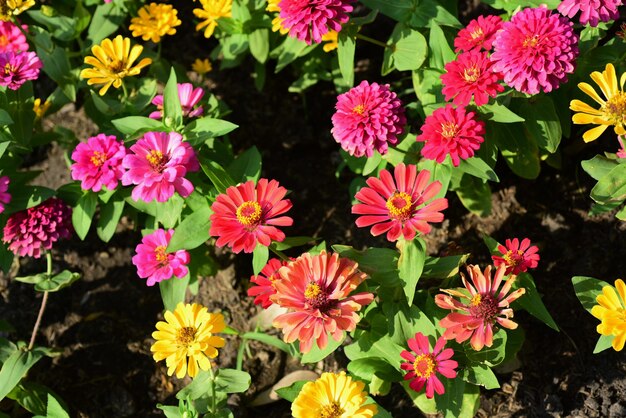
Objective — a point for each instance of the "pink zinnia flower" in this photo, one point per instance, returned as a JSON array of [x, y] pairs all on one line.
[[470, 75], [11, 38], [308, 20], [486, 306], [98, 162], [246, 215], [30, 231], [265, 283], [399, 206], [517, 257], [591, 11], [316, 290], [621, 153], [189, 98], [451, 131], [158, 165], [368, 117], [535, 50], [424, 365], [478, 34], [18, 68], [5, 198], [154, 263]]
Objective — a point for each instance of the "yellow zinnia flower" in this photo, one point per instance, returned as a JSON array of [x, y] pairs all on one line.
[[201, 66], [154, 21], [40, 109], [277, 22], [333, 396], [188, 332], [611, 310], [331, 40], [612, 111], [210, 12], [112, 61], [10, 8]]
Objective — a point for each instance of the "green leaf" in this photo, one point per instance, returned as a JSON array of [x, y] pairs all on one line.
[[345, 53], [443, 267], [110, 214], [192, 232], [232, 381], [490, 356], [105, 21], [511, 5], [291, 392], [531, 301], [480, 374], [131, 124], [460, 400], [604, 342], [58, 282], [477, 167], [404, 322], [200, 130], [31, 396], [316, 354], [587, 289], [521, 155], [269, 340], [259, 44], [611, 187], [34, 279], [25, 197], [260, 255], [54, 409], [290, 242], [409, 48], [542, 121], [475, 195], [200, 386], [598, 166], [5, 118], [218, 176], [397, 9], [368, 367], [247, 166], [172, 110], [441, 52], [15, 367], [425, 13], [290, 50], [379, 263], [411, 265], [173, 291], [499, 113], [83, 212]]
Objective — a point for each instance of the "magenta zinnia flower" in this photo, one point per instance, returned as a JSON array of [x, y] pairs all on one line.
[[451, 131], [535, 50], [30, 231], [158, 165], [246, 215], [11, 38], [308, 20], [517, 257], [591, 11], [478, 34], [18, 68], [265, 283], [154, 263], [5, 198], [399, 205], [98, 162], [368, 117], [486, 306], [424, 365], [189, 98], [621, 153], [316, 290], [470, 75]]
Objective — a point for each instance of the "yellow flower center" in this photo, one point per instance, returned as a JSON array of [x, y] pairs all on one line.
[[160, 254], [186, 336], [512, 259], [449, 130], [98, 158], [359, 110], [249, 213], [424, 365], [399, 205], [118, 67], [8, 69], [476, 300], [615, 108], [334, 410], [477, 33], [531, 41], [4, 41], [312, 291], [471, 74], [484, 306], [156, 159]]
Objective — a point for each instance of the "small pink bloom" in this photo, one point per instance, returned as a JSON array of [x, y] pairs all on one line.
[[30, 231], [368, 117], [424, 365], [486, 306], [309, 20], [18, 68], [478, 34], [154, 263], [189, 98], [246, 215], [591, 11], [157, 166], [399, 205], [451, 131], [621, 153], [11, 38], [535, 50], [265, 283], [517, 257], [470, 75], [98, 162], [5, 198], [316, 291]]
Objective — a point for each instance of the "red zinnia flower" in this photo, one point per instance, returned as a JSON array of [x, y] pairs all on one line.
[[517, 257], [424, 365], [309, 20], [265, 283], [470, 75], [246, 214], [399, 206], [478, 34]]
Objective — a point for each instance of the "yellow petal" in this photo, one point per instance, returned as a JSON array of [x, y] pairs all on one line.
[[593, 134], [591, 92]]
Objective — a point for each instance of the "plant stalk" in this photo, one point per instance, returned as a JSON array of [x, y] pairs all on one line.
[[44, 301]]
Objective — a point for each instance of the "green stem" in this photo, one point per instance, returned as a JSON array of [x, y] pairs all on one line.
[[372, 40], [44, 301], [213, 402], [125, 90], [240, 353], [279, 253]]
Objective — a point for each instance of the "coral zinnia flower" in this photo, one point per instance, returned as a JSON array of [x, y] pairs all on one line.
[[246, 215], [189, 98], [591, 11], [154, 21], [11, 38], [98, 162], [30, 231], [470, 75], [424, 365], [487, 305], [10, 8], [158, 164], [201, 66], [5, 198], [368, 117], [478, 34], [316, 290], [211, 11], [154, 263], [309, 20], [333, 395], [399, 207], [112, 62], [265, 283], [451, 131], [18, 68], [610, 310], [612, 111], [517, 257], [535, 50], [277, 22], [186, 339]]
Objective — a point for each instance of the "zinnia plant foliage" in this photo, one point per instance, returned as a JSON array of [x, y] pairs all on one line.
[[456, 99]]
